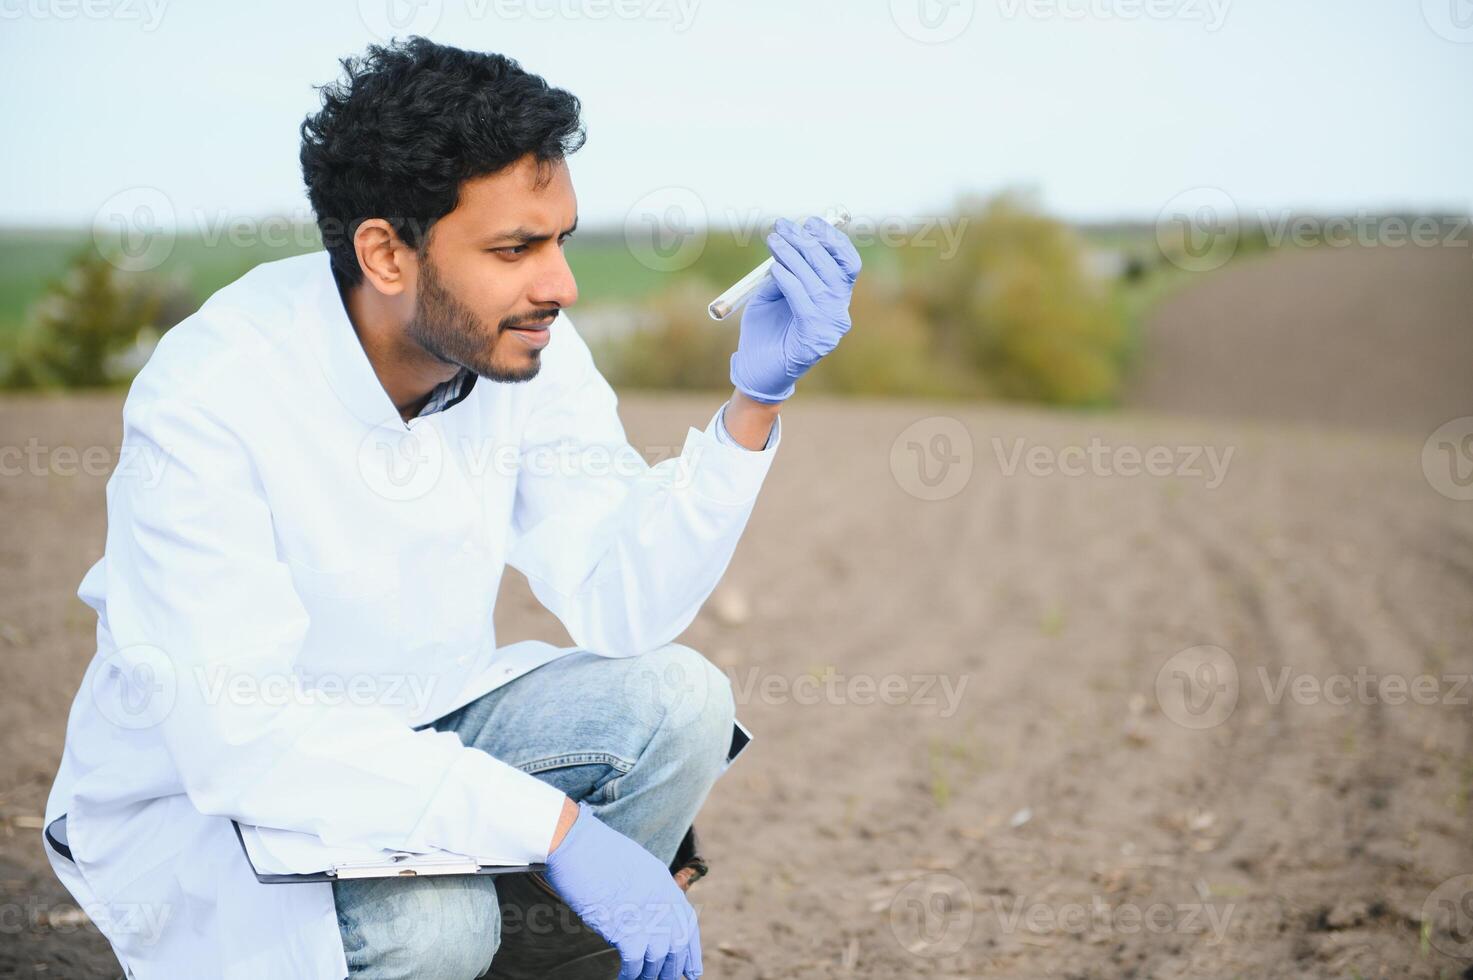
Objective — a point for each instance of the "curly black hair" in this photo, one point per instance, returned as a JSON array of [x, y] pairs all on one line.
[[411, 121]]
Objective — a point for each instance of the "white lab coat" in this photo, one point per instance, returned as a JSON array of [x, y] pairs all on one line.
[[294, 578]]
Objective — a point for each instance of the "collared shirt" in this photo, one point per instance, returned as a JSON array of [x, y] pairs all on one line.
[[448, 393]]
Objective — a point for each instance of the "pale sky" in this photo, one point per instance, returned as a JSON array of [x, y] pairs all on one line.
[[1107, 108]]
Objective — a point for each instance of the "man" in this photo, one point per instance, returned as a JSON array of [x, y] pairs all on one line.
[[295, 600]]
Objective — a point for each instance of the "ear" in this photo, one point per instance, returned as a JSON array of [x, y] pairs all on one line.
[[388, 264]]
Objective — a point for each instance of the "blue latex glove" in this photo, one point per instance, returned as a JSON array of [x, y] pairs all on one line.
[[628, 897], [800, 314]]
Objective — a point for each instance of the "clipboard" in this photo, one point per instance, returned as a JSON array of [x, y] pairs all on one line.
[[395, 864], [740, 739]]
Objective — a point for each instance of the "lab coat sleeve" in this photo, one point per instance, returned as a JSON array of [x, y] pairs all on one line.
[[207, 626], [622, 552]]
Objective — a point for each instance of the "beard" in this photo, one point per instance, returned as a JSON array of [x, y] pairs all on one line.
[[451, 331]]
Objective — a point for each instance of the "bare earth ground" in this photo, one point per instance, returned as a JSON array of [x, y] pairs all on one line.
[[1367, 337], [1059, 814]]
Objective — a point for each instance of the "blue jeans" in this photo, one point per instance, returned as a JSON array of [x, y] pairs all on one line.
[[642, 739]]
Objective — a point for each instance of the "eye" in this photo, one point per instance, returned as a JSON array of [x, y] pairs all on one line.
[[509, 250]]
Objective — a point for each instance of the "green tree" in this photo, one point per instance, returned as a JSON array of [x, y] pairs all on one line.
[[85, 322], [1016, 303]]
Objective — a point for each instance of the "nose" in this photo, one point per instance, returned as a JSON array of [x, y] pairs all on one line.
[[554, 284]]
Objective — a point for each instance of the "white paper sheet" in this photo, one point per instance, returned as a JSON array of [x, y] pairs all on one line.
[[286, 852]]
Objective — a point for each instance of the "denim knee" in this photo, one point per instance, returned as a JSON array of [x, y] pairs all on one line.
[[430, 928], [697, 702]]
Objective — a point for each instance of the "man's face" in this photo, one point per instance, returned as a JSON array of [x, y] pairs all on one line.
[[493, 276]]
